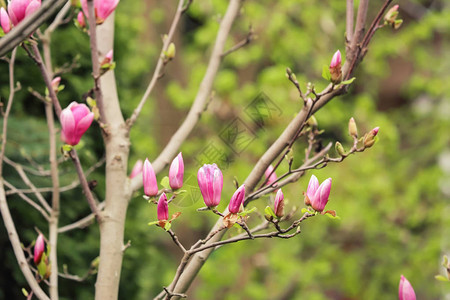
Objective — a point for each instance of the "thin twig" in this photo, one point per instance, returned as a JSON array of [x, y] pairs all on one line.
[[176, 240], [82, 223], [160, 65], [243, 43]]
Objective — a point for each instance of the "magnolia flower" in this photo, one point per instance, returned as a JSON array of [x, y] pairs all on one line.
[[80, 19], [75, 120], [176, 172], [137, 169], [405, 290], [270, 175], [20, 9], [39, 248], [278, 206], [149, 179], [102, 8], [5, 22], [317, 196], [237, 200], [335, 68], [210, 181], [163, 208]]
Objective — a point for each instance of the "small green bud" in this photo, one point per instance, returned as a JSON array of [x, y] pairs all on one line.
[[339, 149], [312, 121], [170, 53], [352, 129], [369, 138]]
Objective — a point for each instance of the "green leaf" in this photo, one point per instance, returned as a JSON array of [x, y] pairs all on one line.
[[326, 73], [332, 217], [445, 262], [67, 148], [153, 223], [348, 81], [24, 292], [167, 226], [304, 210], [246, 212], [42, 267], [269, 211], [165, 182], [441, 278]]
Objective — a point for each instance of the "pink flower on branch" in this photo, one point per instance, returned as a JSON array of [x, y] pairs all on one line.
[[163, 208], [137, 169], [335, 68], [405, 290], [75, 120], [278, 206], [210, 181], [5, 22], [176, 172], [237, 200], [270, 175], [39, 248], [20, 9], [149, 179], [317, 195], [103, 8]]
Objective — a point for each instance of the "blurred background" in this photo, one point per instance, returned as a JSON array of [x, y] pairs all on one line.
[[392, 199]]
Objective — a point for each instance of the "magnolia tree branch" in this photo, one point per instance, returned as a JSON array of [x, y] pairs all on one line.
[[201, 98], [27, 200], [95, 60], [6, 214], [290, 134], [29, 25], [162, 61]]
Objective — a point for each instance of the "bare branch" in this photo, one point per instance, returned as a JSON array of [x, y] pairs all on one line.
[[349, 22], [161, 61], [243, 43], [82, 223]]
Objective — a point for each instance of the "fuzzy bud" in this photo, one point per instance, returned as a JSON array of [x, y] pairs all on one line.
[[339, 149], [352, 129], [278, 207], [369, 138], [335, 68]]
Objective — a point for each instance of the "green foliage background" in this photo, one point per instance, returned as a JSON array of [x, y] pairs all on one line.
[[392, 199]]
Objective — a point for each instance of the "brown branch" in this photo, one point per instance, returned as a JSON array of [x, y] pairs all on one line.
[[243, 43], [349, 22], [28, 200], [161, 62], [95, 61], [4, 209]]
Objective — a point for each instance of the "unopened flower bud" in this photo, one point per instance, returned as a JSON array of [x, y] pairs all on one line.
[[149, 179], [176, 172], [270, 175], [137, 169], [335, 68], [80, 19], [170, 53], [278, 206], [39, 248], [210, 181], [5, 22], [405, 290], [312, 121], [55, 83], [392, 14], [163, 208], [237, 200], [339, 149], [108, 58], [352, 129], [369, 138]]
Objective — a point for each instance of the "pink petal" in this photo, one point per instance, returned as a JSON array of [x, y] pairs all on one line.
[[5, 22]]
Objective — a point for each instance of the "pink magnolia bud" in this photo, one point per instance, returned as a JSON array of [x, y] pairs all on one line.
[[210, 181], [39, 248], [278, 207], [392, 14], [369, 138], [19, 9], [318, 195], [108, 57], [80, 20], [163, 208], [176, 172], [137, 169], [237, 200], [75, 120], [5, 22], [103, 8], [405, 290], [375, 131], [149, 179], [336, 60], [335, 68], [270, 174], [55, 83]]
